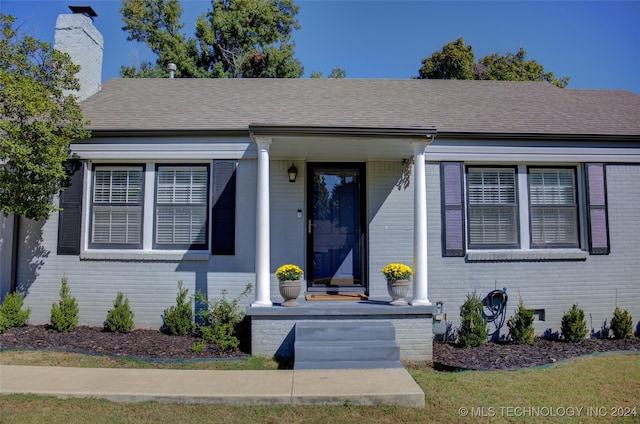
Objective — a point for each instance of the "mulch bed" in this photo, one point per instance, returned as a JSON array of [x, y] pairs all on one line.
[[152, 344], [508, 356]]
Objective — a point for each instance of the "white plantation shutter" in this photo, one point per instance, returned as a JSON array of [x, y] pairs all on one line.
[[493, 208], [116, 218], [181, 206], [553, 207]]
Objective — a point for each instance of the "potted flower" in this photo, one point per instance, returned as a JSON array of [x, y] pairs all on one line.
[[289, 283], [398, 276]]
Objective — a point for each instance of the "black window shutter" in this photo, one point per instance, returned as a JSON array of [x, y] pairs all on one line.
[[223, 228], [452, 201], [597, 219], [70, 219]]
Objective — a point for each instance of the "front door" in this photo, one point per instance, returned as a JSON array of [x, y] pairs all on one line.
[[335, 230]]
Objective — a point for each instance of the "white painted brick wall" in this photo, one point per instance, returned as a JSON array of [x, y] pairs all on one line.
[[390, 212], [76, 35], [151, 286], [596, 284]]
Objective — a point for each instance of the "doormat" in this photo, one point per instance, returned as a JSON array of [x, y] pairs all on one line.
[[344, 296]]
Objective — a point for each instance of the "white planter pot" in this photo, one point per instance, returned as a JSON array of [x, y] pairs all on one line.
[[398, 291]]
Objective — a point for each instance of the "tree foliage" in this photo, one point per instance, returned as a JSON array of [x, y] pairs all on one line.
[[457, 61], [454, 61], [335, 73], [236, 38], [38, 120], [515, 67]]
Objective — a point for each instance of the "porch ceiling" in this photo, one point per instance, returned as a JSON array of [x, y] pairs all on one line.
[[346, 144]]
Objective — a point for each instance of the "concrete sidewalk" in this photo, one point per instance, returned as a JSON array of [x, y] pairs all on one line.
[[287, 387]]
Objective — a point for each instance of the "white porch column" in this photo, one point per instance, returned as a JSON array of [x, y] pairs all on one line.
[[263, 241], [419, 225]]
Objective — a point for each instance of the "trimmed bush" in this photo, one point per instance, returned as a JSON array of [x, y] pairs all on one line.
[[473, 328], [218, 322], [621, 324], [178, 320], [120, 318], [573, 325], [11, 312], [520, 325], [64, 315]]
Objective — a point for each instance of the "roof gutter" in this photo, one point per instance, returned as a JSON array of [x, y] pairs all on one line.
[[537, 136], [369, 132]]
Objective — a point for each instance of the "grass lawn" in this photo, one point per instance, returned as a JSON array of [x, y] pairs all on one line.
[[591, 389]]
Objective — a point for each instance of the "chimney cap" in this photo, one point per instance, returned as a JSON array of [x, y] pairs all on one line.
[[85, 10]]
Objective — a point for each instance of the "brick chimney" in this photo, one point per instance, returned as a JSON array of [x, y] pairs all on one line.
[[76, 35]]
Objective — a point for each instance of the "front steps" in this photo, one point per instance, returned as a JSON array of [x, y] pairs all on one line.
[[345, 345]]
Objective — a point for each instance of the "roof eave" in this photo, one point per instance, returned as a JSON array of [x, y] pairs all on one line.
[[537, 136], [342, 131]]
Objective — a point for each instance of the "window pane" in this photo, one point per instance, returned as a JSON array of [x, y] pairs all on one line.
[[551, 187], [493, 209], [118, 186], [491, 186], [181, 225], [116, 224], [182, 185], [553, 225], [553, 209], [492, 226]]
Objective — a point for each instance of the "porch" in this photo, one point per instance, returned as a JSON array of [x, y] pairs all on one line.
[[272, 329]]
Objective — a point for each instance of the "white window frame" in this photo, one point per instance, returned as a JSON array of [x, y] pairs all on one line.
[[97, 203], [574, 207], [189, 202], [499, 205]]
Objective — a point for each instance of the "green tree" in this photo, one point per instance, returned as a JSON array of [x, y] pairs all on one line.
[[454, 61], [457, 61], [236, 38], [38, 120], [515, 67], [335, 73]]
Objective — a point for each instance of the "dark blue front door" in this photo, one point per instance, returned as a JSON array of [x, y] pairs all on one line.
[[335, 230]]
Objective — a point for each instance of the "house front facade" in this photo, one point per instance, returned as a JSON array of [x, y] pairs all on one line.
[[477, 185]]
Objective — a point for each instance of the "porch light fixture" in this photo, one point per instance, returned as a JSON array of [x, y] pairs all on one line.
[[293, 173]]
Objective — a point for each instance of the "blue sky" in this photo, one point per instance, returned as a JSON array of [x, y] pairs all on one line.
[[597, 44]]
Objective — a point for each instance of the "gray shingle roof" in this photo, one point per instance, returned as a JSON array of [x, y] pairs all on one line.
[[451, 106]]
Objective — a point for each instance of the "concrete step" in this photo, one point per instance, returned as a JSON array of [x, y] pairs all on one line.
[[345, 345], [346, 365], [352, 331], [330, 351]]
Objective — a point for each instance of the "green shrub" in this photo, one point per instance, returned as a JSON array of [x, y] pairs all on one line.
[[621, 324], [473, 328], [218, 322], [178, 320], [11, 312], [64, 315], [120, 317], [573, 325], [520, 325]]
